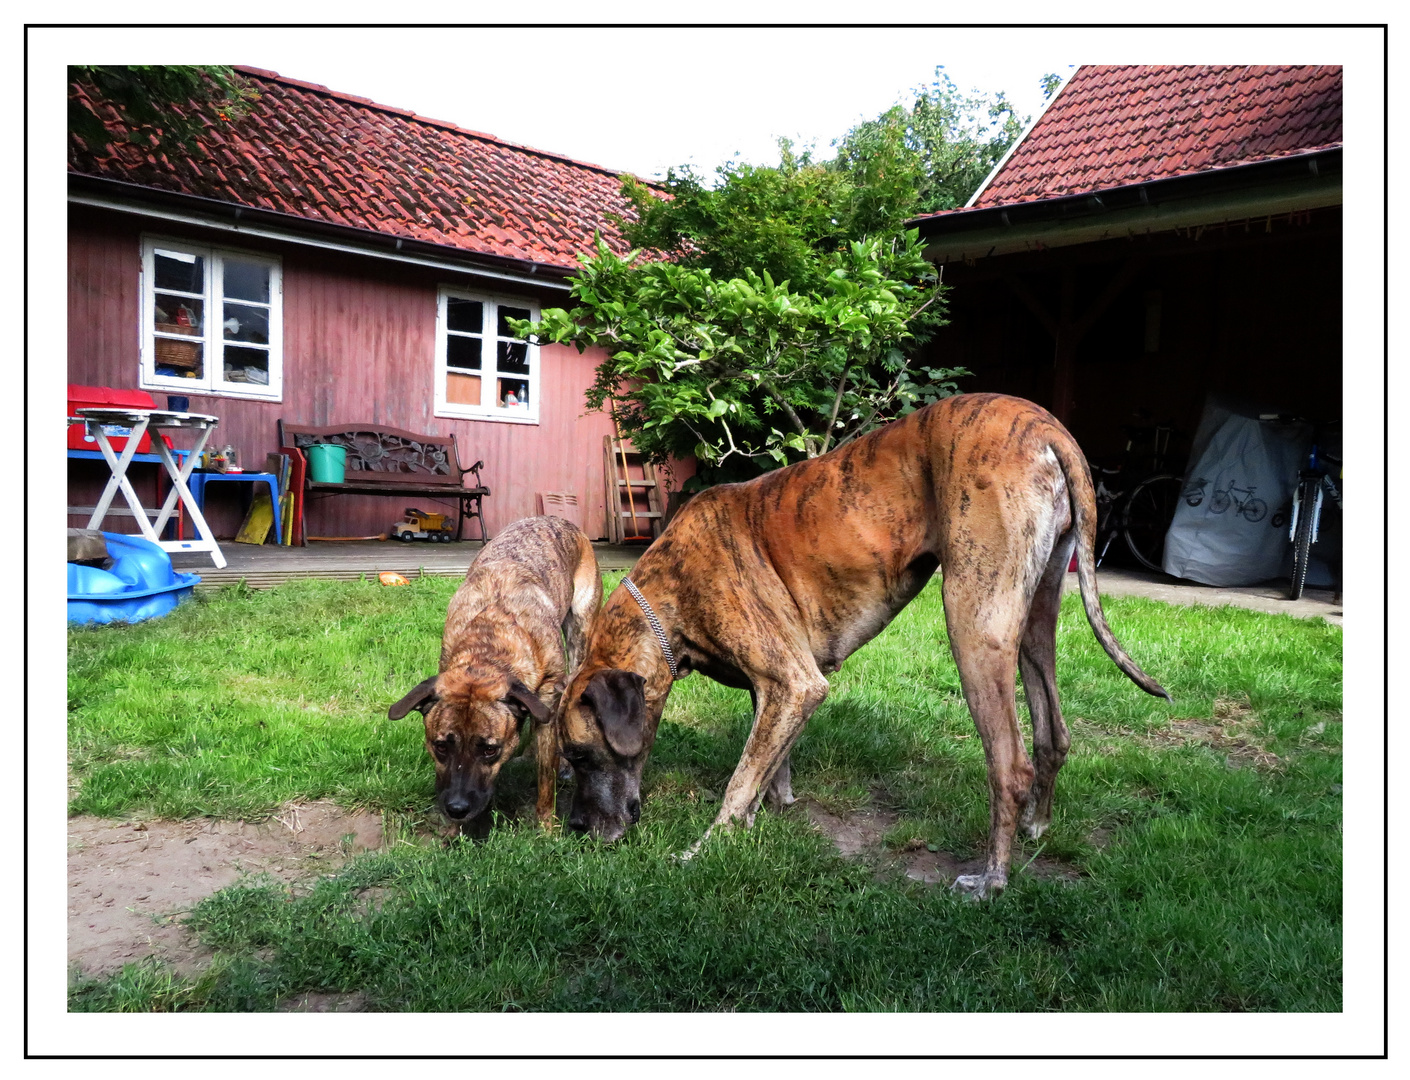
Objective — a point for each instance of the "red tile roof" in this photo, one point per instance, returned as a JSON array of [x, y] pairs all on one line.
[[332, 157], [1113, 125]]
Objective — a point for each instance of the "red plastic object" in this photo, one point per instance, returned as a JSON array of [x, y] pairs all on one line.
[[101, 397], [1072, 564], [298, 470]]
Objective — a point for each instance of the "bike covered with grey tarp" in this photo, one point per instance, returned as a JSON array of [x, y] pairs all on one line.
[[1231, 522]]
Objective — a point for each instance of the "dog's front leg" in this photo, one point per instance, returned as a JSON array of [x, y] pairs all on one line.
[[780, 791], [546, 751], [782, 707]]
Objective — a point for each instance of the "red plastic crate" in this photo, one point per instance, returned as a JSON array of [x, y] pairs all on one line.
[[106, 397]]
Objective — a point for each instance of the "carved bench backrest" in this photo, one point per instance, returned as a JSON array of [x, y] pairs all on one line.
[[382, 453]]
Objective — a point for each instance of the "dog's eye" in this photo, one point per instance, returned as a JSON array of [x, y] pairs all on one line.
[[489, 751], [440, 747], [577, 755]]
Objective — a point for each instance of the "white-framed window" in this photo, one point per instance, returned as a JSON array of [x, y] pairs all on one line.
[[484, 372], [211, 320]]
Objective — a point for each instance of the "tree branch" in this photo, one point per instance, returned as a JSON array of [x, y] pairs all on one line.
[[809, 440], [876, 408], [836, 405]]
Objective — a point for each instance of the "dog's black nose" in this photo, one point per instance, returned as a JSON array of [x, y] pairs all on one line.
[[457, 806], [633, 811], [577, 823]]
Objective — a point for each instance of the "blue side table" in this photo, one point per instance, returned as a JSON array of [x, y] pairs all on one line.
[[197, 482]]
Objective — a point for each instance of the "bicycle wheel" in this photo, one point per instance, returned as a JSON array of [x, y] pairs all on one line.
[[1254, 511], [1220, 502], [1147, 518], [1302, 538]]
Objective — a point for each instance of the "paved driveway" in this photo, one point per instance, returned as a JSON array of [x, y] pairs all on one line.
[[1271, 596]]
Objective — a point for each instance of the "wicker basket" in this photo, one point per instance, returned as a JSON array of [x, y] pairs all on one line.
[[178, 354]]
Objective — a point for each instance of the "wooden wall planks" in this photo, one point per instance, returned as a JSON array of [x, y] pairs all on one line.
[[359, 344]]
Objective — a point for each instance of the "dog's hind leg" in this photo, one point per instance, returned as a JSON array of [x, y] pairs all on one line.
[[1037, 663], [582, 609], [985, 629]]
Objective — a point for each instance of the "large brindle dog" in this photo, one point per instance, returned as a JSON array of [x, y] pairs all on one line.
[[532, 588], [771, 584]]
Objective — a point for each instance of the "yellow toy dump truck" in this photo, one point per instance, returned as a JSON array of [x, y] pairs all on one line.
[[419, 525]]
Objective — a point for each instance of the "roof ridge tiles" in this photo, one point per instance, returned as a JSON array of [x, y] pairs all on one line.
[[318, 88], [1113, 125]]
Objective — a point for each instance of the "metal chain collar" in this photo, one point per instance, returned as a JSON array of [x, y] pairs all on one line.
[[655, 626]]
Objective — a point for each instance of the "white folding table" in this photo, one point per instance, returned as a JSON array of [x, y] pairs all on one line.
[[154, 421]]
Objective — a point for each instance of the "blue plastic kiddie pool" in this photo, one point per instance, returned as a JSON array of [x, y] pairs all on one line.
[[140, 584]]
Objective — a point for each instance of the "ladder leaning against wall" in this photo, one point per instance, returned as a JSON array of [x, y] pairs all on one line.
[[633, 494]]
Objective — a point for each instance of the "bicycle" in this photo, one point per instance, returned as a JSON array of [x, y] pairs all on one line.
[[1141, 515], [1313, 484], [1251, 509]]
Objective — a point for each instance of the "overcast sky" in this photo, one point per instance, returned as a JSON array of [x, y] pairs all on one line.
[[643, 99], [638, 100], [599, 95]]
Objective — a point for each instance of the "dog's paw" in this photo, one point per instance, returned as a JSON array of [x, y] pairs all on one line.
[[1032, 825], [692, 851], [978, 886], [779, 802]]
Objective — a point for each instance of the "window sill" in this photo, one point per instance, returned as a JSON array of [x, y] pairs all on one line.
[[493, 418], [189, 388]]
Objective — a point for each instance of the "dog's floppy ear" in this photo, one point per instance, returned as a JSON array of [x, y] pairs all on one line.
[[421, 697], [619, 700], [528, 699]]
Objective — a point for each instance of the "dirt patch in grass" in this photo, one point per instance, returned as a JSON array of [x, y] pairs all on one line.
[[318, 1003], [130, 882], [1232, 730], [859, 835]]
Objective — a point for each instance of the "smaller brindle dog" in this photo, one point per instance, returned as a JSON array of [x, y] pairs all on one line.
[[530, 589]]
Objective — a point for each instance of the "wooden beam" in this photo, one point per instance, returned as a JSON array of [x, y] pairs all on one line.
[[1031, 302], [1065, 349], [1115, 287]]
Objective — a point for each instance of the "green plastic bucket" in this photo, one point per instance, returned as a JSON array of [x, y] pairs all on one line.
[[326, 463]]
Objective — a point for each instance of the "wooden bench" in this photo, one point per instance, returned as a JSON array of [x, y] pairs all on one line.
[[391, 462]]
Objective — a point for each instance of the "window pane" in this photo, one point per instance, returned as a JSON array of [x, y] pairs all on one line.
[[245, 323], [507, 313], [246, 365], [463, 352], [181, 272], [179, 359], [514, 357], [514, 394], [246, 280], [465, 315], [462, 389], [178, 315]]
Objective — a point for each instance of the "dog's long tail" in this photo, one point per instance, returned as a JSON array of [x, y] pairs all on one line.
[[1084, 521]]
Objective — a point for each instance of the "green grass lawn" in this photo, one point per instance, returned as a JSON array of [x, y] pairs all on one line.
[[1204, 837]]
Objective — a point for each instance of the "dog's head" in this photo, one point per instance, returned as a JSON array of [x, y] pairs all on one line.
[[473, 720], [605, 731]]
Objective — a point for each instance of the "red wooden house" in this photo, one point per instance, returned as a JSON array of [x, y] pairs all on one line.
[[328, 260], [1160, 234]]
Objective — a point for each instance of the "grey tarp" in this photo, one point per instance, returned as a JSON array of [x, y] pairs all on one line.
[[1231, 523]]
